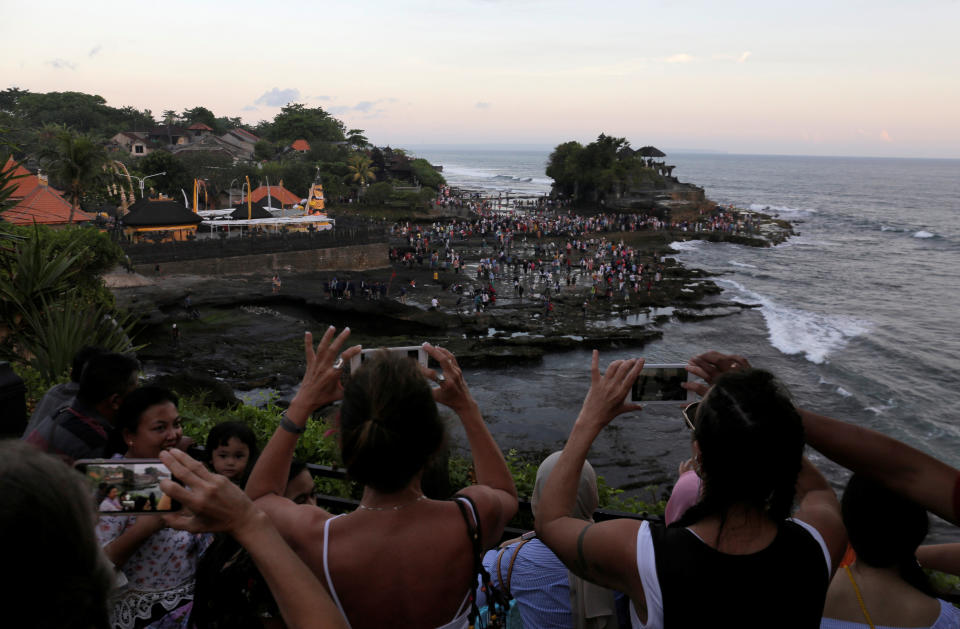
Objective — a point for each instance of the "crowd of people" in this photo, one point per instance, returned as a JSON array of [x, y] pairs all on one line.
[[753, 535]]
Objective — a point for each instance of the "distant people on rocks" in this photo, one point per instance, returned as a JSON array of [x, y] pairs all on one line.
[[83, 428], [275, 282]]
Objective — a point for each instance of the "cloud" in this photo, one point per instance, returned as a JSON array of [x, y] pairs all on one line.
[[885, 136], [319, 98], [680, 58], [62, 64], [744, 56], [482, 105], [369, 107], [251, 108], [95, 50], [278, 97]]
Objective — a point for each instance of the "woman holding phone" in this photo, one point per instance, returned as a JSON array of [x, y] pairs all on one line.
[[157, 563], [409, 555], [737, 554]]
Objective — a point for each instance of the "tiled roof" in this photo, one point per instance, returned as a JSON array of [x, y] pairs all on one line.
[[255, 210], [300, 145], [25, 182], [45, 206], [277, 193], [243, 133], [147, 213], [200, 127]]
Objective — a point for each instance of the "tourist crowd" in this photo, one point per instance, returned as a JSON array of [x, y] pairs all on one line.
[[754, 536]]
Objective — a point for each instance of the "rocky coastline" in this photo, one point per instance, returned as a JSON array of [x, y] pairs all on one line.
[[248, 338]]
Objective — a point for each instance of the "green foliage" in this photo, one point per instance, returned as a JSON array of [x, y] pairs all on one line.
[[378, 193], [264, 150], [314, 446], [202, 115], [601, 168], [425, 174], [54, 334], [36, 385], [360, 169], [53, 300], [76, 162], [296, 121], [177, 176]]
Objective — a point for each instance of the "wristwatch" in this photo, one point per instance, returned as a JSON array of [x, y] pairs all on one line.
[[287, 424]]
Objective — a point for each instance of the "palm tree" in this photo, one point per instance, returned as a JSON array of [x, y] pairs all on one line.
[[75, 160], [362, 170]]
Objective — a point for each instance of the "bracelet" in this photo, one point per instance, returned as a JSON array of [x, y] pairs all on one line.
[[287, 424]]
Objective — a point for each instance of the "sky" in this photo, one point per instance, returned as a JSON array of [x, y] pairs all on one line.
[[863, 78]]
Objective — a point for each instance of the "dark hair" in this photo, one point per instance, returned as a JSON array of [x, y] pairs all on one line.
[[81, 358], [296, 466], [751, 446], [138, 401], [105, 375], [221, 434], [885, 529], [47, 532], [389, 424]]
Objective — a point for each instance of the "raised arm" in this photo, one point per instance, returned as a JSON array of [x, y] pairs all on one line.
[[494, 493], [819, 507], [320, 386], [942, 557], [905, 470], [219, 505], [603, 553]]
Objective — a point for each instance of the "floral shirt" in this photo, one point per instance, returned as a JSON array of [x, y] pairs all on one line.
[[161, 571]]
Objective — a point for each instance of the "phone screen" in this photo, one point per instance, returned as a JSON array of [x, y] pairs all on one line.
[[660, 384], [128, 486]]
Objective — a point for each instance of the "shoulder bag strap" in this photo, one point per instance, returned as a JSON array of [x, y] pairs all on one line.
[[510, 567]]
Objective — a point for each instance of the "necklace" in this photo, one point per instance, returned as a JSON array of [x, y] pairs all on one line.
[[395, 507]]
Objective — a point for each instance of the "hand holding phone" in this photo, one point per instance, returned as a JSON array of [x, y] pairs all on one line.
[[661, 384]]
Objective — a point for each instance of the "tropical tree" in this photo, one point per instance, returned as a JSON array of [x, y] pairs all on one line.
[[76, 161], [360, 169], [357, 139]]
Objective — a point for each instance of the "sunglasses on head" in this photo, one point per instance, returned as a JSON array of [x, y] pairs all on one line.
[[689, 414]]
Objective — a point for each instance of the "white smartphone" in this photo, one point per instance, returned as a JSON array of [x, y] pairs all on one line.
[[661, 384], [414, 352]]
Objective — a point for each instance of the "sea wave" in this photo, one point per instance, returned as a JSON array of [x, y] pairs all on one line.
[[796, 331], [923, 234], [887, 228], [742, 264], [781, 209], [685, 245]]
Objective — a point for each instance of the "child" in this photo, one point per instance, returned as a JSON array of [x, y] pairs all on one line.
[[232, 448]]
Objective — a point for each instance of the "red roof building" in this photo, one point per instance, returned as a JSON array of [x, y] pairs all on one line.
[[277, 194], [300, 145], [38, 203]]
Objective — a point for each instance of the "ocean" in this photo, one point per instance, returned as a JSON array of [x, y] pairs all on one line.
[[857, 312]]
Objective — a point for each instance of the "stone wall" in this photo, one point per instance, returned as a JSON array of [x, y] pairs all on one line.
[[355, 258]]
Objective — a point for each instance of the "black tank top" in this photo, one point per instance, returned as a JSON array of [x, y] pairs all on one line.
[[783, 585]]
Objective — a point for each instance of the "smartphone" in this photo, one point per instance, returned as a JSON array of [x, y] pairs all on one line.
[[127, 486], [661, 384], [414, 352]]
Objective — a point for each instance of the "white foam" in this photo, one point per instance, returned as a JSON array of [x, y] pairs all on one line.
[[780, 209], [742, 264], [844, 392], [923, 234], [879, 410], [796, 331], [884, 228], [686, 245]]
